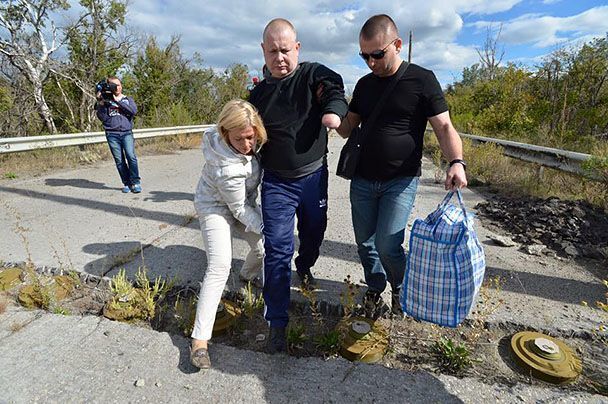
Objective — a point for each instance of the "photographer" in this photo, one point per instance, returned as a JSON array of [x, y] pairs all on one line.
[[116, 112]]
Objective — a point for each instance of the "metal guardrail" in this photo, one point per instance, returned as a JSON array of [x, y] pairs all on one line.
[[545, 156], [20, 144], [562, 160]]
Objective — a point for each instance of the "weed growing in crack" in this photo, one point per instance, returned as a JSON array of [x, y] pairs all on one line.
[[347, 297], [61, 310], [138, 302], [15, 327], [185, 313], [329, 342], [252, 302], [602, 330], [296, 336], [452, 356], [3, 304], [311, 297], [488, 302]]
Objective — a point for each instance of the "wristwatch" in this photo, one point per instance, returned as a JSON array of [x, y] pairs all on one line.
[[459, 161]]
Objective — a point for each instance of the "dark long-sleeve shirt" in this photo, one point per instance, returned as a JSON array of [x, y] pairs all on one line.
[[297, 141], [117, 116]]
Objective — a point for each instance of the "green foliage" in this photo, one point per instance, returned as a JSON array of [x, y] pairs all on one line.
[[452, 357], [562, 103], [252, 303], [329, 342], [185, 313], [348, 296], [296, 336], [129, 302], [311, 296], [6, 100], [61, 310], [10, 175]]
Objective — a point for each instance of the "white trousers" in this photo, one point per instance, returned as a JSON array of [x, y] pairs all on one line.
[[217, 240]]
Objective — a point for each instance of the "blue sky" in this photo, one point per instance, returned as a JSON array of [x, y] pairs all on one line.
[[446, 33]]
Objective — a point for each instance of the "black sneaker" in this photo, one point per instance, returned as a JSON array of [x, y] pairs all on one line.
[[307, 281], [373, 305], [277, 342], [396, 309]]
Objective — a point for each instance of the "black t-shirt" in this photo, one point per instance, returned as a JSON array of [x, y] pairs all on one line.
[[393, 148]]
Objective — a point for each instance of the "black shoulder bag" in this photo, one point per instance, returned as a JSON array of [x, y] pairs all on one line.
[[351, 151]]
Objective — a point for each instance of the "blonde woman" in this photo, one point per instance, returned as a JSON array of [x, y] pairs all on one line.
[[226, 199]]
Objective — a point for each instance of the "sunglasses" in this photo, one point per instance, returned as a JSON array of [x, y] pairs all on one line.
[[377, 54]]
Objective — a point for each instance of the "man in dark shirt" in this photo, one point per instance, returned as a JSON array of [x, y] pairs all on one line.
[[294, 161], [117, 115], [383, 190]]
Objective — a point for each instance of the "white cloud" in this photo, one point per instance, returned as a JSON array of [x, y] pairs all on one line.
[[230, 31], [484, 7], [544, 31]]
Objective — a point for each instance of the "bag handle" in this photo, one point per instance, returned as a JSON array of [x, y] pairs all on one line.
[[449, 196], [370, 122]]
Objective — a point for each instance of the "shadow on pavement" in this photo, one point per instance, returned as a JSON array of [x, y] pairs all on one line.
[[547, 287], [76, 183], [162, 196], [287, 378], [121, 210]]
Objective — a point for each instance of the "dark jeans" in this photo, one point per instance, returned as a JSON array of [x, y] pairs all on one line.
[[282, 200], [380, 211], [122, 146]]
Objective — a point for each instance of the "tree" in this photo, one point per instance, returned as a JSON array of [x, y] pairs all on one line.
[[489, 55], [96, 49], [23, 41], [156, 73]]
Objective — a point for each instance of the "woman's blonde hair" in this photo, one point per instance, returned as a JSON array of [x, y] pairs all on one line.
[[239, 114]]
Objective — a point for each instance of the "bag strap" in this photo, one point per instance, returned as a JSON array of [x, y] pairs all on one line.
[[370, 122], [460, 202]]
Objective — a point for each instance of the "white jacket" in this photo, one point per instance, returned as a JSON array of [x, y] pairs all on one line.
[[229, 183]]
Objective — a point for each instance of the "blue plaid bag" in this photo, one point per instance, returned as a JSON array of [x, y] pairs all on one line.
[[445, 266]]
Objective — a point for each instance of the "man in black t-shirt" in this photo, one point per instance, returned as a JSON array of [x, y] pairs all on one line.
[[383, 190]]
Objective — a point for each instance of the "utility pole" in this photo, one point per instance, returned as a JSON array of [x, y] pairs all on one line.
[[409, 51]]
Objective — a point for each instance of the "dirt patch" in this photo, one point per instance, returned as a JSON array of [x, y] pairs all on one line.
[[573, 229]]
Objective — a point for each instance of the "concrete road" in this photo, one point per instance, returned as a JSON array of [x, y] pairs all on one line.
[[60, 359]]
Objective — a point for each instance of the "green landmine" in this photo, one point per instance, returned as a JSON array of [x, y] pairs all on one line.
[[225, 317], [39, 295], [362, 340], [9, 278]]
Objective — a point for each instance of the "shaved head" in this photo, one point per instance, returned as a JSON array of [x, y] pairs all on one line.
[[380, 24], [278, 25], [281, 48]]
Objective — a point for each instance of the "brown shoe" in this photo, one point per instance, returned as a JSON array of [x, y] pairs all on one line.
[[200, 358]]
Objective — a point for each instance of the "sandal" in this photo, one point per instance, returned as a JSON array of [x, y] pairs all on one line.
[[200, 358]]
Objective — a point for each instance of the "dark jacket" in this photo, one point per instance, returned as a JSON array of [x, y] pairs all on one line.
[[297, 141], [117, 116]]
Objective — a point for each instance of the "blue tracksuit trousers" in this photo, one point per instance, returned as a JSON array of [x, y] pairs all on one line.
[[282, 200]]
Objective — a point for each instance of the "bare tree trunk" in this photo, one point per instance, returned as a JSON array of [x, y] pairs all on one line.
[[43, 109], [31, 59]]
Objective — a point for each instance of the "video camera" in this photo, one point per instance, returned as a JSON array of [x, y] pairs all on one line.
[[106, 89]]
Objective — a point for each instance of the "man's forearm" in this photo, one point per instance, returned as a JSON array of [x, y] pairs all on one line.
[[449, 142]]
